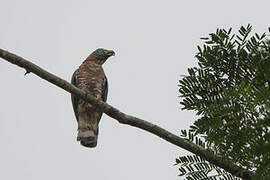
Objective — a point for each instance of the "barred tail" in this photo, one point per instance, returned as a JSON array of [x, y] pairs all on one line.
[[87, 132]]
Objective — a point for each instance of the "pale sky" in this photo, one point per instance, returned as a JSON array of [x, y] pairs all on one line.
[[155, 42]]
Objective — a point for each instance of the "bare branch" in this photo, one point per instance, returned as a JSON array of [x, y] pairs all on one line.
[[126, 119]]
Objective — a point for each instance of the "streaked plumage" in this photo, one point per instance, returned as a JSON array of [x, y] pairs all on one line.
[[91, 78]]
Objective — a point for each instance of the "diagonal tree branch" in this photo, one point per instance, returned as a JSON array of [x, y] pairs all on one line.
[[126, 119]]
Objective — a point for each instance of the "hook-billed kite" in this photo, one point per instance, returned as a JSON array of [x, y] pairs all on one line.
[[90, 77]]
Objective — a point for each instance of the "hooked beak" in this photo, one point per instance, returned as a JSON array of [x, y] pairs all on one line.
[[111, 53]]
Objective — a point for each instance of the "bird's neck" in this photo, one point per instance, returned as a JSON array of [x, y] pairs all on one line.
[[94, 59]]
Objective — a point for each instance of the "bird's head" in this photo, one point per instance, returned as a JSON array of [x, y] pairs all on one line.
[[102, 54]]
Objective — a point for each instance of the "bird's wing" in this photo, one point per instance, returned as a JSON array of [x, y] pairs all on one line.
[[105, 87], [74, 99]]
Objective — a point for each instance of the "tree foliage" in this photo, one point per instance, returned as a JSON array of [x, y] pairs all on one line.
[[229, 90], [193, 167]]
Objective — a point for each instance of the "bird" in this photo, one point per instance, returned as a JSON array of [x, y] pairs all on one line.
[[90, 77]]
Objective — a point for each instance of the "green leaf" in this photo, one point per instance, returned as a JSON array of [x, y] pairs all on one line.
[[204, 38]]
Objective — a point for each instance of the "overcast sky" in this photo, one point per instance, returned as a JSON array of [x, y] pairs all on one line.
[[155, 42]]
